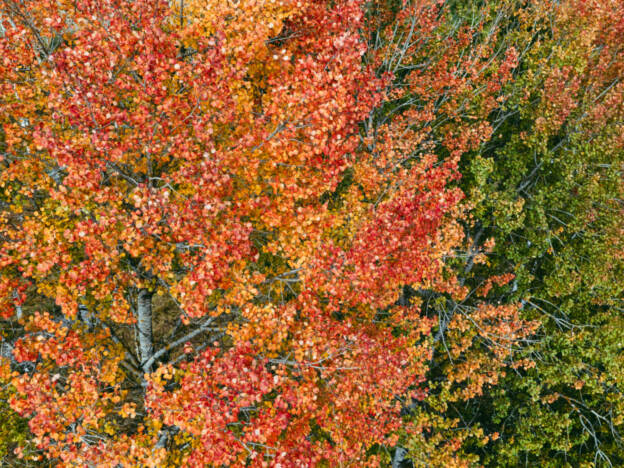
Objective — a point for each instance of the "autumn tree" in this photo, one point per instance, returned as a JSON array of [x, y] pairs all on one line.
[[230, 232], [547, 187]]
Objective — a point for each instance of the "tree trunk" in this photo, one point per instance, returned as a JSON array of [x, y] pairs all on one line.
[[144, 324], [18, 307], [85, 316], [399, 456]]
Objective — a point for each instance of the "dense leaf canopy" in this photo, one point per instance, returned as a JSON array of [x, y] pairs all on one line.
[[299, 233]]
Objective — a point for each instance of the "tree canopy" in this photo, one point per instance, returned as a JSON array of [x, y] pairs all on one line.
[[298, 233]]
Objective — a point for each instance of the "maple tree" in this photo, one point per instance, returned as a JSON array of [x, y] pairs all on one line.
[[231, 234]]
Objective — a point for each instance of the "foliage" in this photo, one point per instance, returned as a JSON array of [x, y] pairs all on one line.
[[548, 188], [309, 233]]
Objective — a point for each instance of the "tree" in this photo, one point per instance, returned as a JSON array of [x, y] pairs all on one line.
[[548, 188], [215, 215], [211, 216]]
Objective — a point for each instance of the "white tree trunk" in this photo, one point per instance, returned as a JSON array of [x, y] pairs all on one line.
[[85, 316], [399, 456], [18, 307], [144, 325]]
